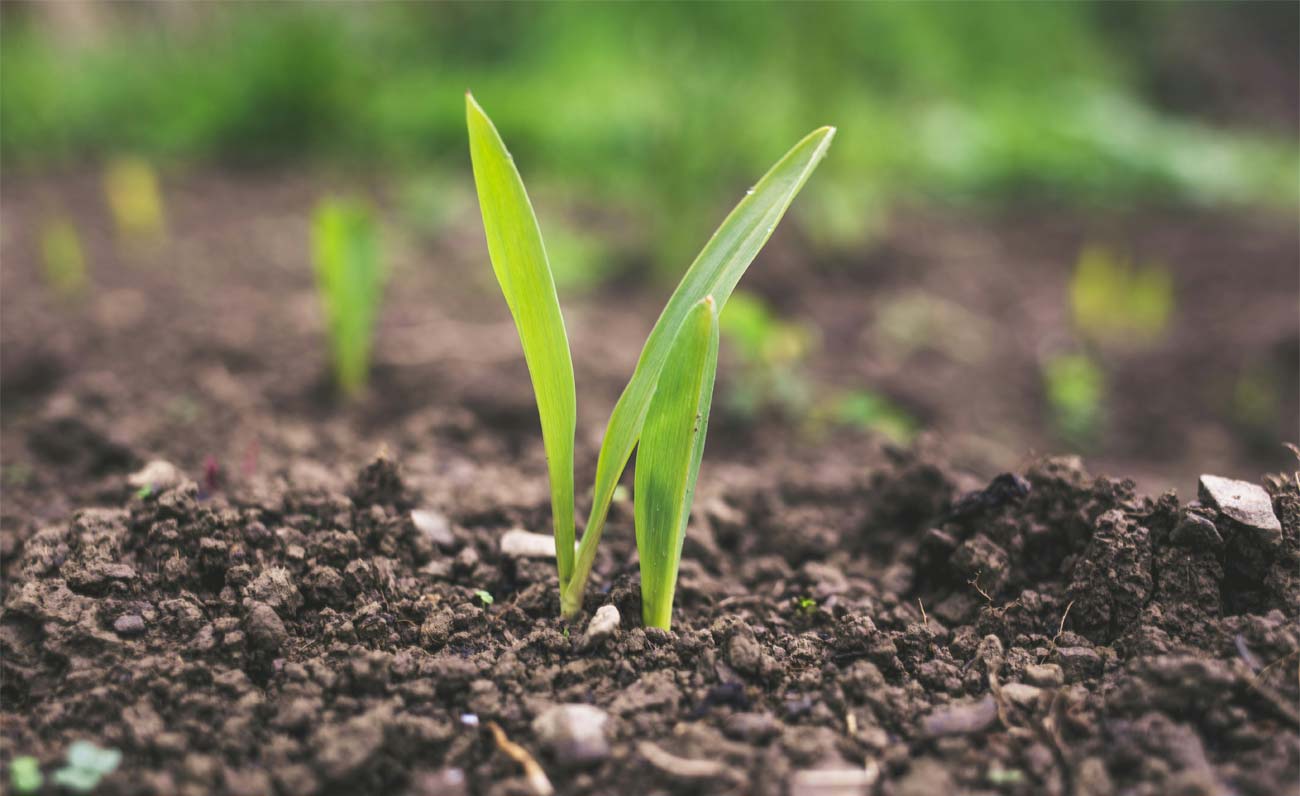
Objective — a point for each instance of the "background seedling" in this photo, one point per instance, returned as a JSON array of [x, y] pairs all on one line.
[[519, 261], [87, 764], [135, 200], [1114, 300], [1075, 389], [484, 596], [25, 774], [350, 283], [63, 263]]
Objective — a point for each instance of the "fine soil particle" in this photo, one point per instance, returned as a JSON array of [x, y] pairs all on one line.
[[1052, 633]]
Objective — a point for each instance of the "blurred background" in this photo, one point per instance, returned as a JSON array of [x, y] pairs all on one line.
[[1042, 227]]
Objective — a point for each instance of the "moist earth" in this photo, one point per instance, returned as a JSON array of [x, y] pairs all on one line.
[[1049, 633]]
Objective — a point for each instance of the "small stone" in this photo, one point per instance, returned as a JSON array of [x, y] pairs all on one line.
[[1194, 531], [129, 625], [518, 543], [602, 626], [275, 587], [1078, 663], [752, 727], [834, 781], [961, 718], [744, 653], [265, 628], [574, 733], [157, 475], [1045, 675], [434, 524], [1022, 694], [1244, 503]]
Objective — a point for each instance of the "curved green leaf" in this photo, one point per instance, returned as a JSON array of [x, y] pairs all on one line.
[[668, 458], [519, 261], [715, 272]]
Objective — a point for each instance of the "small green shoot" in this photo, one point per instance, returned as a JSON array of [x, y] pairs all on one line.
[[1114, 300], [1075, 389], [805, 605], [484, 596], [63, 263], [520, 263], [25, 774], [350, 282], [771, 355], [135, 200], [87, 764], [144, 492], [872, 411]]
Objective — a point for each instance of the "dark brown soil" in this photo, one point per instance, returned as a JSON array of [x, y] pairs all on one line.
[[275, 622]]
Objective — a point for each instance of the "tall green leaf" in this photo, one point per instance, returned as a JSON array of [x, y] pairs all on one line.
[[519, 261], [715, 272], [350, 281], [668, 458]]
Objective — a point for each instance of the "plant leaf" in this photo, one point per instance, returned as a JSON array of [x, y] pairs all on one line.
[[519, 261], [715, 272], [668, 458]]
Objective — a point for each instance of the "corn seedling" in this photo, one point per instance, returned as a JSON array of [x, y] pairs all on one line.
[[1075, 389], [350, 282], [1115, 300], [665, 405], [25, 774], [134, 199], [62, 262], [87, 764]]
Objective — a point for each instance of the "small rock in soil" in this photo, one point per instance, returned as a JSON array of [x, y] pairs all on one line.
[[275, 587], [342, 749], [1021, 694], [602, 626], [927, 777], [961, 718], [1078, 663], [265, 628], [129, 625], [1244, 503], [833, 781], [1046, 675], [518, 543], [744, 653], [575, 734], [755, 728], [1194, 531], [157, 475], [434, 524]]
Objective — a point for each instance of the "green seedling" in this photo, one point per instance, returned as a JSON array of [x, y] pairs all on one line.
[[1075, 389], [673, 379], [87, 764], [25, 774], [806, 605], [63, 262], [872, 411], [135, 200], [350, 282], [1115, 300], [484, 596], [771, 355]]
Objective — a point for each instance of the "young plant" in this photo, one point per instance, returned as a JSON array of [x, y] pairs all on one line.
[[673, 380], [350, 282]]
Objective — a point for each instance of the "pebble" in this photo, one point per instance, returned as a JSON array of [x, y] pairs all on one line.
[[575, 733], [744, 653], [752, 727], [1078, 663], [834, 781], [129, 625], [264, 627], [1046, 675], [157, 475], [1021, 694], [602, 626], [961, 718], [1194, 531], [1243, 502], [434, 524], [518, 543]]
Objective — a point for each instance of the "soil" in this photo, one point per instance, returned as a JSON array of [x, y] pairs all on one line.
[[266, 615]]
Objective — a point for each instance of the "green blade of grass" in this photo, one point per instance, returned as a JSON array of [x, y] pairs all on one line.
[[668, 458], [519, 261], [715, 272], [349, 278]]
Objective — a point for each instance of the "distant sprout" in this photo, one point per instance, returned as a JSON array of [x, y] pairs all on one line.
[[144, 492], [484, 596], [664, 409], [1256, 401], [87, 764], [25, 774], [135, 200], [63, 264], [350, 283], [806, 605], [1114, 300], [872, 411], [1075, 389]]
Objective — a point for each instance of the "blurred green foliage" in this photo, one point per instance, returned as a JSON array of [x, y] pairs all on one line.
[[135, 200], [1075, 387], [63, 264], [770, 352], [872, 411], [1114, 300], [642, 104], [350, 281], [25, 774]]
